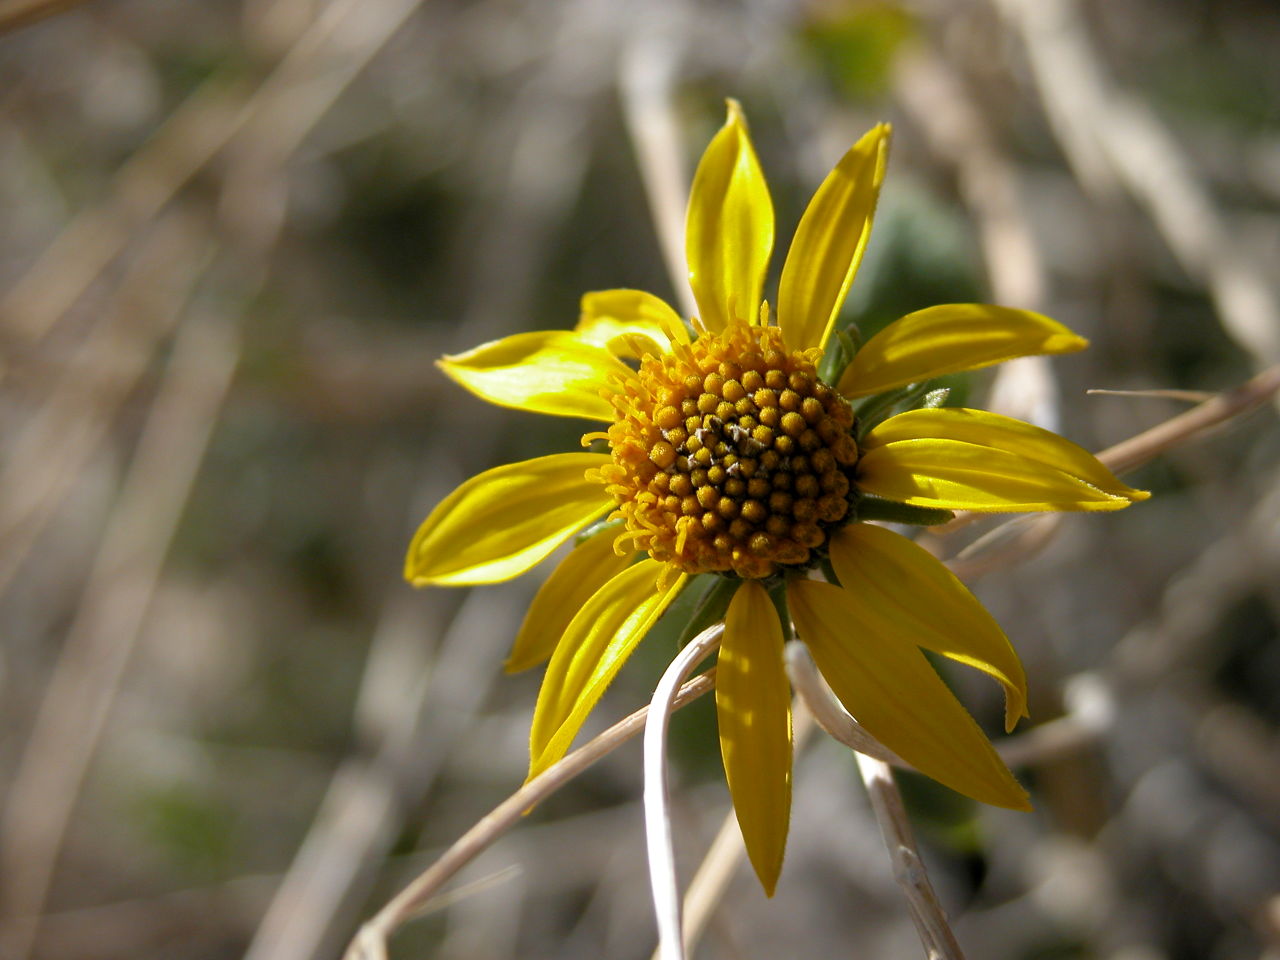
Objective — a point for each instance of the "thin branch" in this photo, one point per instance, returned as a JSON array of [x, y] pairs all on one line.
[[1183, 396], [711, 881], [1194, 423], [826, 709], [294, 97], [110, 618], [1189, 425], [1111, 137], [958, 133], [657, 820], [647, 76], [370, 942], [908, 869], [16, 14], [1090, 714]]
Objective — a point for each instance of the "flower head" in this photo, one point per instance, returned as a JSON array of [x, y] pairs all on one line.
[[728, 454]]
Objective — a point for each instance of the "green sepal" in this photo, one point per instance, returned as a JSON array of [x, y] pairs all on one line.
[[843, 346], [711, 607], [881, 406], [874, 508]]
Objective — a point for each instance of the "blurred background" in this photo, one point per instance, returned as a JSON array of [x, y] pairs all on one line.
[[235, 235]]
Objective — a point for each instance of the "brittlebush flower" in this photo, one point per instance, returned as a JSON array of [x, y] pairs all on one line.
[[727, 454]]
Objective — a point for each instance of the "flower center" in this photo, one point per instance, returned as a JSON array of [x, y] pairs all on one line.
[[730, 455]]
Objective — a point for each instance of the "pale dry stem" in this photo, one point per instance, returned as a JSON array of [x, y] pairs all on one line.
[[663, 881], [1123, 457], [109, 619], [16, 14], [711, 880], [958, 133], [646, 84], [1112, 138], [370, 943], [908, 869]]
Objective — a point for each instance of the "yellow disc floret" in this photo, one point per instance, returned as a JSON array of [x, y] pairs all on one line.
[[730, 455]]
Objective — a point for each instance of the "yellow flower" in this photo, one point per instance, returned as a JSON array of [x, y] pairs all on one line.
[[727, 454]]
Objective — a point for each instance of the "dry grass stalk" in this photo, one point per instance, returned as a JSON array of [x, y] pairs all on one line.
[[16, 14], [371, 941], [908, 869], [657, 817], [111, 613]]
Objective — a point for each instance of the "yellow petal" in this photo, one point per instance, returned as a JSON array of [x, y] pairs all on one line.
[[973, 460], [503, 521], [547, 371], [729, 227], [927, 605], [886, 683], [829, 241], [587, 568], [753, 706], [950, 338], [629, 323], [594, 647]]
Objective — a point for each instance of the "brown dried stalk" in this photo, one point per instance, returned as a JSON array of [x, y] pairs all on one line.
[[371, 941]]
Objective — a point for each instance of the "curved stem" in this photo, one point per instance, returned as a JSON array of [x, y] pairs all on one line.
[[657, 821]]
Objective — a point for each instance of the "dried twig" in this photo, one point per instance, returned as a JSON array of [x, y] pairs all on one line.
[[1194, 423], [886, 801], [126, 570], [1111, 137], [711, 880], [957, 132], [826, 709], [647, 74], [371, 941], [908, 869], [47, 454], [1141, 448], [657, 820], [15, 14]]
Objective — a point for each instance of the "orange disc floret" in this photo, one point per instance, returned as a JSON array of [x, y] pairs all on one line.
[[730, 455]]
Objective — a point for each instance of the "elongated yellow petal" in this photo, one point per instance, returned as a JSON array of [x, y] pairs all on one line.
[[729, 227], [973, 460], [753, 706], [925, 603], [503, 521], [950, 338], [884, 680], [629, 323], [596, 644], [829, 241], [587, 568], [547, 371]]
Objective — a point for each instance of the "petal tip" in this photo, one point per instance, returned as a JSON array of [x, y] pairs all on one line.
[[1023, 805], [1075, 343]]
